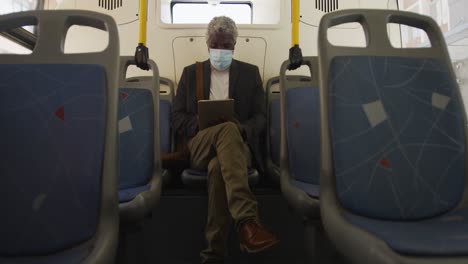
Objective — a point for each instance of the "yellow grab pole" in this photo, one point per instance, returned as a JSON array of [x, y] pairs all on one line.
[[295, 22], [295, 53], [143, 15]]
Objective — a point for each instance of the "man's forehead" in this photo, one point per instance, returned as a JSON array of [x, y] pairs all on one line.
[[221, 36]]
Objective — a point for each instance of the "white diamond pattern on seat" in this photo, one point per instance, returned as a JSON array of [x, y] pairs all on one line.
[[375, 112], [440, 101], [125, 125]]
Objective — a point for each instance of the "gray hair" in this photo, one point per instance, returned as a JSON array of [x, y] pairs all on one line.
[[222, 24]]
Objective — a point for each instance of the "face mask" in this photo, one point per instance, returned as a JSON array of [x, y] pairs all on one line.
[[220, 58]]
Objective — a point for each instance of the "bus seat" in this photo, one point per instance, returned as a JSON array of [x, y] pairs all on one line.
[[273, 130], [140, 165], [59, 144], [394, 175], [272, 157], [166, 96], [300, 139]]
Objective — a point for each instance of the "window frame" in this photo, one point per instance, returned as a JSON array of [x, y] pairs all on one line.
[[23, 37], [173, 3]]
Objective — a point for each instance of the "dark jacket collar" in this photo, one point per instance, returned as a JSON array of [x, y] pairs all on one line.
[[233, 75]]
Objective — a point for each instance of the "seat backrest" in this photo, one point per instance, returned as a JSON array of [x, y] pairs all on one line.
[[300, 123], [393, 121], [166, 96], [138, 126], [59, 139], [165, 112], [273, 119]]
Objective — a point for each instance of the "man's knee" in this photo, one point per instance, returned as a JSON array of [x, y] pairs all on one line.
[[230, 129], [214, 167]]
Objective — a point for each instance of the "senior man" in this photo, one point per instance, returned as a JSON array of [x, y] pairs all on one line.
[[228, 148]]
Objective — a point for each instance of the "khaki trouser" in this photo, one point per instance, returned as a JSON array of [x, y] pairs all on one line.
[[222, 151]]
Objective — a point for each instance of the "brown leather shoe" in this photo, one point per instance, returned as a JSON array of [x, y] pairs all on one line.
[[254, 237]]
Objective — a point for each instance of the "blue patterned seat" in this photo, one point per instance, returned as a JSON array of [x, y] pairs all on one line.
[[396, 148], [139, 130], [136, 123], [403, 123], [303, 137], [300, 143], [166, 95], [58, 169], [273, 130]]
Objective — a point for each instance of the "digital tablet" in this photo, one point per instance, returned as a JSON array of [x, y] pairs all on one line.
[[210, 111]]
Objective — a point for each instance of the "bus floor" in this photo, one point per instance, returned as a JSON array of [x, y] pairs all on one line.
[[174, 233]]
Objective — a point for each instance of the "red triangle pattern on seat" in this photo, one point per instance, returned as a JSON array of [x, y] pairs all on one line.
[[124, 95], [384, 162], [60, 113]]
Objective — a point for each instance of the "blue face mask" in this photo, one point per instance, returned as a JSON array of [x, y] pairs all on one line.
[[220, 58]]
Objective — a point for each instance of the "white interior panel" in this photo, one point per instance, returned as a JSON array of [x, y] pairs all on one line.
[[267, 50], [123, 11], [311, 14]]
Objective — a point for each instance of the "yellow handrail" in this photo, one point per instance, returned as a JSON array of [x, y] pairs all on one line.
[[142, 17], [295, 22]]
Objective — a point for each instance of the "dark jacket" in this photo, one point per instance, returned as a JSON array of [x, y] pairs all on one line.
[[245, 87]]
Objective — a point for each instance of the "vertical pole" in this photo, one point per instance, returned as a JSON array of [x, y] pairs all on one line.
[[295, 21], [142, 17]]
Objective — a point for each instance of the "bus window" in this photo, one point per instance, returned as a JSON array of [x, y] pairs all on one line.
[[9, 47], [411, 37], [202, 13], [452, 18], [450, 15], [18, 6], [256, 12]]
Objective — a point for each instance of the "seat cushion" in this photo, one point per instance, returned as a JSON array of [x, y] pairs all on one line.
[[303, 133], [72, 256], [199, 177], [52, 146], [397, 127], [442, 236], [136, 135], [165, 109], [126, 195], [309, 188], [275, 131]]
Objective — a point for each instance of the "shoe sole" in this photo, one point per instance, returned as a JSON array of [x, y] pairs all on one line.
[[243, 248]]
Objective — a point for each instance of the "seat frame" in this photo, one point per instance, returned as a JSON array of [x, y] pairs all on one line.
[[49, 49], [356, 243], [144, 202], [301, 202]]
